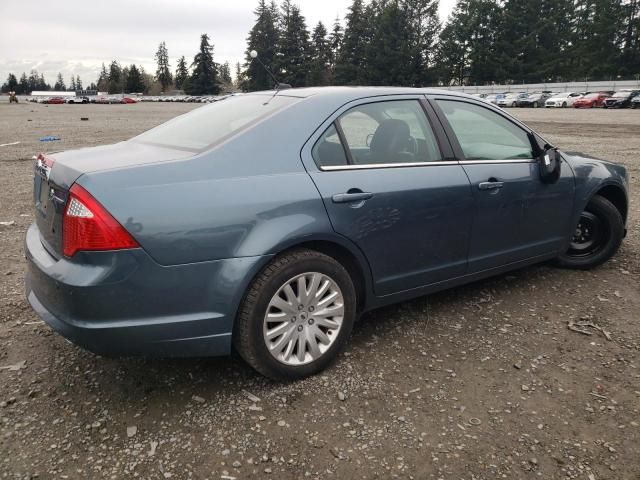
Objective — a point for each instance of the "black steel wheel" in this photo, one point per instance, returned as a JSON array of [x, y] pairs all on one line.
[[596, 237]]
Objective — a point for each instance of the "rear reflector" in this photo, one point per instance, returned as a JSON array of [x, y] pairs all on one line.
[[88, 226]]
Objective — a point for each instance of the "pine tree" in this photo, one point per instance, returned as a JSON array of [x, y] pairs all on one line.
[[335, 41], [320, 62], [72, 84], [78, 83], [240, 79], [103, 79], [225, 73], [291, 65], [350, 65], [59, 86], [388, 54], [630, 34], [11, 85], [134, 83], [182, 72], [23, 85], [263, 38], [163, 74], [115, 78], [203, 81], [423, 28]]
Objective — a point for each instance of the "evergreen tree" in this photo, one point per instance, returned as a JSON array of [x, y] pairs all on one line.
[[78, 83], [388, 54], [163, 74], [103, 79], [115, 78], [423, 27], [182, 72], [135, 82], [320, 62], [225, 73], [239, 80], [72, 85], [630, 58], [11, 85], [59, 86], [350, 66], [203, 81], [291, 63], [23, 85], [263, 38], [335, 41]]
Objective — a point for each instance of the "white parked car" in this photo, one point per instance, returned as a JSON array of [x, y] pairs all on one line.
[[78, 100], [510, 99], [562, 100]]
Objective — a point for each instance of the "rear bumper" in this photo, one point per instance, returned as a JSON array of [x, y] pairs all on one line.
[[123, 303]]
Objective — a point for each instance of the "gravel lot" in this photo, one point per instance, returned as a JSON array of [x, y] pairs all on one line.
[[480, 382]]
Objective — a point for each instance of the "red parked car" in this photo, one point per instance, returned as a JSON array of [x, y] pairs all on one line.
[[591, 100], [55, 100], [128, 100]]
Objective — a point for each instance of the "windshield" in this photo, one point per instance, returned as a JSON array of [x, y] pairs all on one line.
[[205, 126], [621, 94]]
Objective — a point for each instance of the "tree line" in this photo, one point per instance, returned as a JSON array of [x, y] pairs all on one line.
[[402, 42]]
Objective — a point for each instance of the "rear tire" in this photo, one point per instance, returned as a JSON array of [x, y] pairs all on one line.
[[283, 329], [564, 105], [597, 237]]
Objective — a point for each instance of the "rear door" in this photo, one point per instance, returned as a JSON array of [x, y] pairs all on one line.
[[390, 185], [517, 216]]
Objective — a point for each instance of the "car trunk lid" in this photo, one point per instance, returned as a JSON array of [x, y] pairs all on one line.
[[54, 174]]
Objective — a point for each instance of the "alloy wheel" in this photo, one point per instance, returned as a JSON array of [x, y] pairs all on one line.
[[303, 318]]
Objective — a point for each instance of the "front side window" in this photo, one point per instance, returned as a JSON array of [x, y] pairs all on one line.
[[485, 135], [389, 132]]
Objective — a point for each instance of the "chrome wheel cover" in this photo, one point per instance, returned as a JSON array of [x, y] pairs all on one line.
[[303, 318]]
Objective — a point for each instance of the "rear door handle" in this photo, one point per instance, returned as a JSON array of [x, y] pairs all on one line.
[[490, 185], [351, 197]]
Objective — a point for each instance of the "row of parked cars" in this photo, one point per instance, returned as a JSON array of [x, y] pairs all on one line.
[[605, 99], [92, 99], [182, 98]]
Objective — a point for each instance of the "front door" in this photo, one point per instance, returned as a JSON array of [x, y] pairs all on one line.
[[386, 187], [517, 217]]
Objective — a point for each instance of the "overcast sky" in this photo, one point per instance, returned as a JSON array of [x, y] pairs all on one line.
[[76, 36]]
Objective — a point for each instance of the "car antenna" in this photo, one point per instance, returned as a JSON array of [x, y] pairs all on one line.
[[277, 85]]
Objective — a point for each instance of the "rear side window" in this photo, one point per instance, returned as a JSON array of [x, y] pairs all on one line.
[[485, 135], [206, 126], [328, 150], [380, 133]]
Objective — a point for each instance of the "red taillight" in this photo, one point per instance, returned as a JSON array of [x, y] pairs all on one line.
[[88, 226]]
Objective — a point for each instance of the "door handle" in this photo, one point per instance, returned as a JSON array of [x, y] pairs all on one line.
[[351, 197], [490, 185]]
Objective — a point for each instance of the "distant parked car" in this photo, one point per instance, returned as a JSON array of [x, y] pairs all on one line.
[[621, 99], [128, 100], [562, 100], [494, 97], [78, 100], [534, 99], [55, 100], [591, 100], [510, 99]]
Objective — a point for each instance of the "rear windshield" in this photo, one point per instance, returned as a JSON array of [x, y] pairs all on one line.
[[205, 126]]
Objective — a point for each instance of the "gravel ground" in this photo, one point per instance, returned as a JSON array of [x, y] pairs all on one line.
[[480, 382]]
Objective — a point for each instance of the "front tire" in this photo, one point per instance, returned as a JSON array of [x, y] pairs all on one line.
[[296, 316], [597, 236]]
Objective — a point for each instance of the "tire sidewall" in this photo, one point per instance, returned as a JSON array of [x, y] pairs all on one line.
[[610, 216], [321, 264]]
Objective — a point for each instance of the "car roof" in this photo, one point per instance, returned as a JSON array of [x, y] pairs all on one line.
[[354, 93]]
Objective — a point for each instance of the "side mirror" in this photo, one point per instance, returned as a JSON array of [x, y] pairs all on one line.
[[548, 160], [549, 164]]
